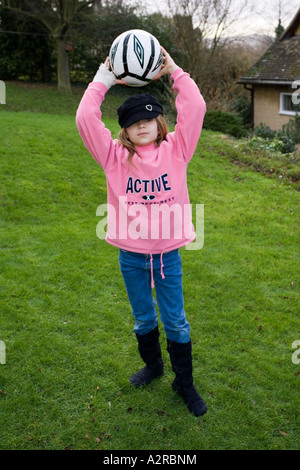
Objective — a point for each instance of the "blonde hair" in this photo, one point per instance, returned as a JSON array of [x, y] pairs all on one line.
[[124, 140]]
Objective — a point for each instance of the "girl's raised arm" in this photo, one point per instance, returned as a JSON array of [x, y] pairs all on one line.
[[190, 107], [96, 137]]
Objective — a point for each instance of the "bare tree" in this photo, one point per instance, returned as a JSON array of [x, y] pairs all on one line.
[[202, 28], [57, 16]]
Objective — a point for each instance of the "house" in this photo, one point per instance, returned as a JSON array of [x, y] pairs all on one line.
[[274, 80]]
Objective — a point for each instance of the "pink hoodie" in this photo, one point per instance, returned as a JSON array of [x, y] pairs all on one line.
[[148, 202]]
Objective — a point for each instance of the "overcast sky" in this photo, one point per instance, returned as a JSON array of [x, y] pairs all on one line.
[[259, 17], [264, 16]]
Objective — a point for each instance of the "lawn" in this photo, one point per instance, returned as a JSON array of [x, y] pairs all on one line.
[[66, 321]]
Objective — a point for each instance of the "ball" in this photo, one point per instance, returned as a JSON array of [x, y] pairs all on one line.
[[135, 57]]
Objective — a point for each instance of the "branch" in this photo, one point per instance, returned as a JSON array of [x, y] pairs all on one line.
[[7, 5], [58, 21], [31, 14]]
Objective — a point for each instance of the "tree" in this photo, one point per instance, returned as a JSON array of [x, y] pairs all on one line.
[[278, 30], [93, 34], [200, 35], [56, 16], [23, 37]]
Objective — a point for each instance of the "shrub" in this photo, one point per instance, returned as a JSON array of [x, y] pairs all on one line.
[[265, 132], [283, 141], [242, 106], [288, 143], [224, 122], [259, 143], [292, 129]]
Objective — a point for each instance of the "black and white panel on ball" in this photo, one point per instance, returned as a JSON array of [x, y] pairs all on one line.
[[135, 57]]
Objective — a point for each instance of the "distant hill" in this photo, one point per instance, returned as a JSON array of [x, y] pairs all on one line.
[[253, 41]]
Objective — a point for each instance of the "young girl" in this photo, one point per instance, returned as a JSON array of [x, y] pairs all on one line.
[[148, 218]]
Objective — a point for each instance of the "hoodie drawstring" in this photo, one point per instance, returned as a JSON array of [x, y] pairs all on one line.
[[151, 265], [161, 265], [161, 268]]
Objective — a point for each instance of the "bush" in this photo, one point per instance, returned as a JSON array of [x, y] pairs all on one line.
[[242, 106], [288, 143], [292, 129], [224, 122], [259, 143], [283, 141], [265, 132]]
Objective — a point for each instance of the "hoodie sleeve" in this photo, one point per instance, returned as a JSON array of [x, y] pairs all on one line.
[[96, 138], [191, 109]]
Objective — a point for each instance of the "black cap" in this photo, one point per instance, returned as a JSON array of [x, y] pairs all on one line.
[[137, 107]]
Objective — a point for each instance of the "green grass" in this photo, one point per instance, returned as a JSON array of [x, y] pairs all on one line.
[[65, 317], [252, 154], [42, 98]]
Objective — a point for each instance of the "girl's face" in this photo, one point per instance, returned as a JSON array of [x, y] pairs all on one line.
[[144, 132]]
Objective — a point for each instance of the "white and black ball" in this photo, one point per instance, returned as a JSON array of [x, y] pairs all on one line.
[[135, 57]]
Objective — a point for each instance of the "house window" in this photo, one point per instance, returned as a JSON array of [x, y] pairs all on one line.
[[287, 106]]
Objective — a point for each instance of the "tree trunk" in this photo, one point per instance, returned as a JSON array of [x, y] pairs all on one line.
[[63, 72]]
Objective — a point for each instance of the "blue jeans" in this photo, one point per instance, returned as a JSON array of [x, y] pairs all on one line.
[[165, 270]]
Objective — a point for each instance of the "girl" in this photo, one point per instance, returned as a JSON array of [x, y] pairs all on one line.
[[148, 218]]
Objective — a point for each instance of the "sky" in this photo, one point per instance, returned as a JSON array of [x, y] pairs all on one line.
[[259, 16], [264, 16]]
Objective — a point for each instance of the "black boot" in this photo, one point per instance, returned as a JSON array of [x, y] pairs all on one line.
[[149, 349], [181, 360]]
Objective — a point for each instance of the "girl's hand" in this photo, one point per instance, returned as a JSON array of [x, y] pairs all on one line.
[[168, 66], [117, 81]]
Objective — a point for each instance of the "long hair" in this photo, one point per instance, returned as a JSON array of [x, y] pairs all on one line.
[[162, 128]]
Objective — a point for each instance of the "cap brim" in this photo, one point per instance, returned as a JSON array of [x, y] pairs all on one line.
[[139, 116]]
